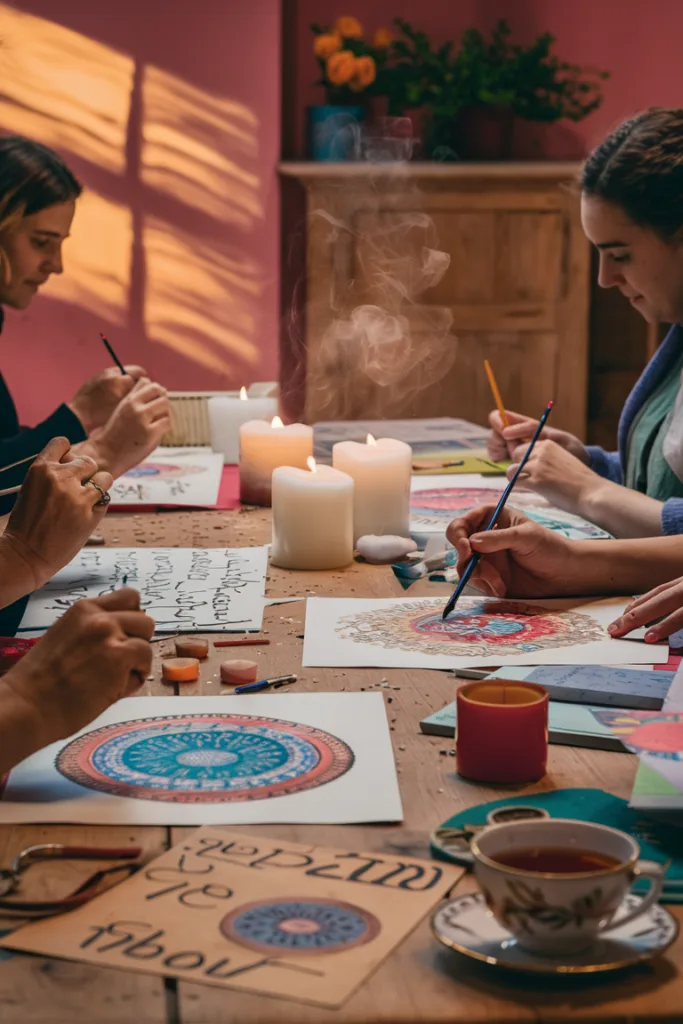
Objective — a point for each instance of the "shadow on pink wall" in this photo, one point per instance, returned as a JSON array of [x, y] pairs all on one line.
[[169, 115]]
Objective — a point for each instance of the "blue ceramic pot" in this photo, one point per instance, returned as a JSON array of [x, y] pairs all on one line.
[[334, 132]]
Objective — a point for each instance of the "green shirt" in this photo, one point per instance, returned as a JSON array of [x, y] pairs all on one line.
[[646, 469]]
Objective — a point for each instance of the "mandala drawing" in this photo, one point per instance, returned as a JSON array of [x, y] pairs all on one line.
[[306, 926], [219, 758], [433, 509], [162, 471], [479, 630], [646, 732]]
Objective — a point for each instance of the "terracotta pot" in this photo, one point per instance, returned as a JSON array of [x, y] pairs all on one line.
[[485, 133]]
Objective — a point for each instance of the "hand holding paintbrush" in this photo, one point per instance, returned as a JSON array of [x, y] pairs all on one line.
[[472, 564]]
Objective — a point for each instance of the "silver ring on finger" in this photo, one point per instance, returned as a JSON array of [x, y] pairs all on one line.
[[105, 496]]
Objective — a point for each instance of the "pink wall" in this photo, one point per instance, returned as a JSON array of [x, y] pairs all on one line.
[[636, 40], [177, 255]]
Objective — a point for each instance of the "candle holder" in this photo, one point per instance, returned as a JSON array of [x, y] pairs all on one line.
[[502, 731]]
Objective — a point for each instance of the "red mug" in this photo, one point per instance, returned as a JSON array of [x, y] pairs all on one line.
[[502, 731]]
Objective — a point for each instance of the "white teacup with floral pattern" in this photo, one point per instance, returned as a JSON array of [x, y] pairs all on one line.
[[554, 913]]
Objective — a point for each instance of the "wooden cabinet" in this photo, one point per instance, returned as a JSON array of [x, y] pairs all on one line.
[[517, 289]]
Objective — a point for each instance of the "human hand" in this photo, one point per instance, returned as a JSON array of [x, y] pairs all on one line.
[[518, 559], [56, 510], [135, 428], [664, 602], [503, 441], [96, 400], [95, 654], [556, 474]]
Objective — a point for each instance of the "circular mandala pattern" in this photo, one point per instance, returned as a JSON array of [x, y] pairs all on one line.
[[304, 926], [437, 506], [163, 470], [205, 758], [475, 628]]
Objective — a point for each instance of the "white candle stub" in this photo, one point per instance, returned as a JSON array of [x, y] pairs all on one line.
[[227, 414], [264, 447], [312, 518], [381, 473], [384, 550]]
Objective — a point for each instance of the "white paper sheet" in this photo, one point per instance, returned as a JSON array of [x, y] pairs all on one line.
[[409, 633], [188, 589], [322, 758], [180, 478], [436, 500]]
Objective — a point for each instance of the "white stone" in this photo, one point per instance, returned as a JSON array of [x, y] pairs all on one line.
[[384, 550]]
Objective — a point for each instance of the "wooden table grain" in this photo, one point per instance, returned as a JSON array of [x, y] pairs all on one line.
[[421, 981]]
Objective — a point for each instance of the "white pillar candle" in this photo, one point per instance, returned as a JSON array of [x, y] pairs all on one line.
[[264, 447], [381, 473], [227, 413], [312, 518]]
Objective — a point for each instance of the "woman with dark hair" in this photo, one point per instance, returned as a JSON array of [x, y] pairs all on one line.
[[632, 212], [127, 415]]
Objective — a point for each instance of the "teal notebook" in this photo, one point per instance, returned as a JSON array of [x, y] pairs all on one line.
[[660, 842], [573, 725]]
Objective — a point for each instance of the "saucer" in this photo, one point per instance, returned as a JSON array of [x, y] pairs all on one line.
[[465, 924]]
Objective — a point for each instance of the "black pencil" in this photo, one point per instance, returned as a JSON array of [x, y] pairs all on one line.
[[474, 560], [113, 354]]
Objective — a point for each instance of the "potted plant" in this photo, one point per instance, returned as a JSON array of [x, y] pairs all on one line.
[[473, 94], [351, 70], [501, 81]]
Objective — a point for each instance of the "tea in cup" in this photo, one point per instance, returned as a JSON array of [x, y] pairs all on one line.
[[556, 883]]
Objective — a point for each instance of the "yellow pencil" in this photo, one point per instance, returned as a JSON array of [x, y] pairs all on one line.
[[496, 394]]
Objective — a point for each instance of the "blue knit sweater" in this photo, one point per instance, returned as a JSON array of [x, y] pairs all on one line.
[[612, 464]]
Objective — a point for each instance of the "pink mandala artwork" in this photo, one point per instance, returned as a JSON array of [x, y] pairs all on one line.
[[434, 508], [481, 629], [162, 471]]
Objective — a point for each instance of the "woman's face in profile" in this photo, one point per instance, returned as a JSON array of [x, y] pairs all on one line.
[[34, 253], [646, 268]]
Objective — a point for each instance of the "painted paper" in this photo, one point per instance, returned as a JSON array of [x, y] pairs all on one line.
[[434, 504], [183, 589], [187, 478], [300, 922], [410, 633], [228, 760]]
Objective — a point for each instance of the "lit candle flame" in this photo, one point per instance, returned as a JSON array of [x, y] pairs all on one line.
[[243, 394], [370, 440], [310, 462], [276, 422]]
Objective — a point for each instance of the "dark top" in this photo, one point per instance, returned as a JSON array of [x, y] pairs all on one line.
[[16, 443]]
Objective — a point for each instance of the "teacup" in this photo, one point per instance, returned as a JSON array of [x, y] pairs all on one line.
[[564, 909]]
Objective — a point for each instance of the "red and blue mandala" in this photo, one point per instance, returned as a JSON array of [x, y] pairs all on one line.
[[220, 758], [306, 926], [646, 732], [477, 628], [432, 509]]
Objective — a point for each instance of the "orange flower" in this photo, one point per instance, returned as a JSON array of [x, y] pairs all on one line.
[[327, 44], [341, 67], [383, 37], [348, 27], [364, 74]]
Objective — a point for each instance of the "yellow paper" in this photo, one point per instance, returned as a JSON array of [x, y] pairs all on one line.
[[301, 922]]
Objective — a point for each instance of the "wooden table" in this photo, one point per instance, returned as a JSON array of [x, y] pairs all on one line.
[[421, 981]]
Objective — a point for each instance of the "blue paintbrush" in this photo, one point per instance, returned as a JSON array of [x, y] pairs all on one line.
[[474, 560]]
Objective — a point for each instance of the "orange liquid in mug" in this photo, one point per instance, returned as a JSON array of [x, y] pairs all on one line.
[[551, 860]]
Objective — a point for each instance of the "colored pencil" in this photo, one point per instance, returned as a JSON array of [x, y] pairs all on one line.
[[113, 354], [496, 393], [246, 642], [474, 560]]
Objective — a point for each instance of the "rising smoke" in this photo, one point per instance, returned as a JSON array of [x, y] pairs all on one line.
[[381, 343]]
